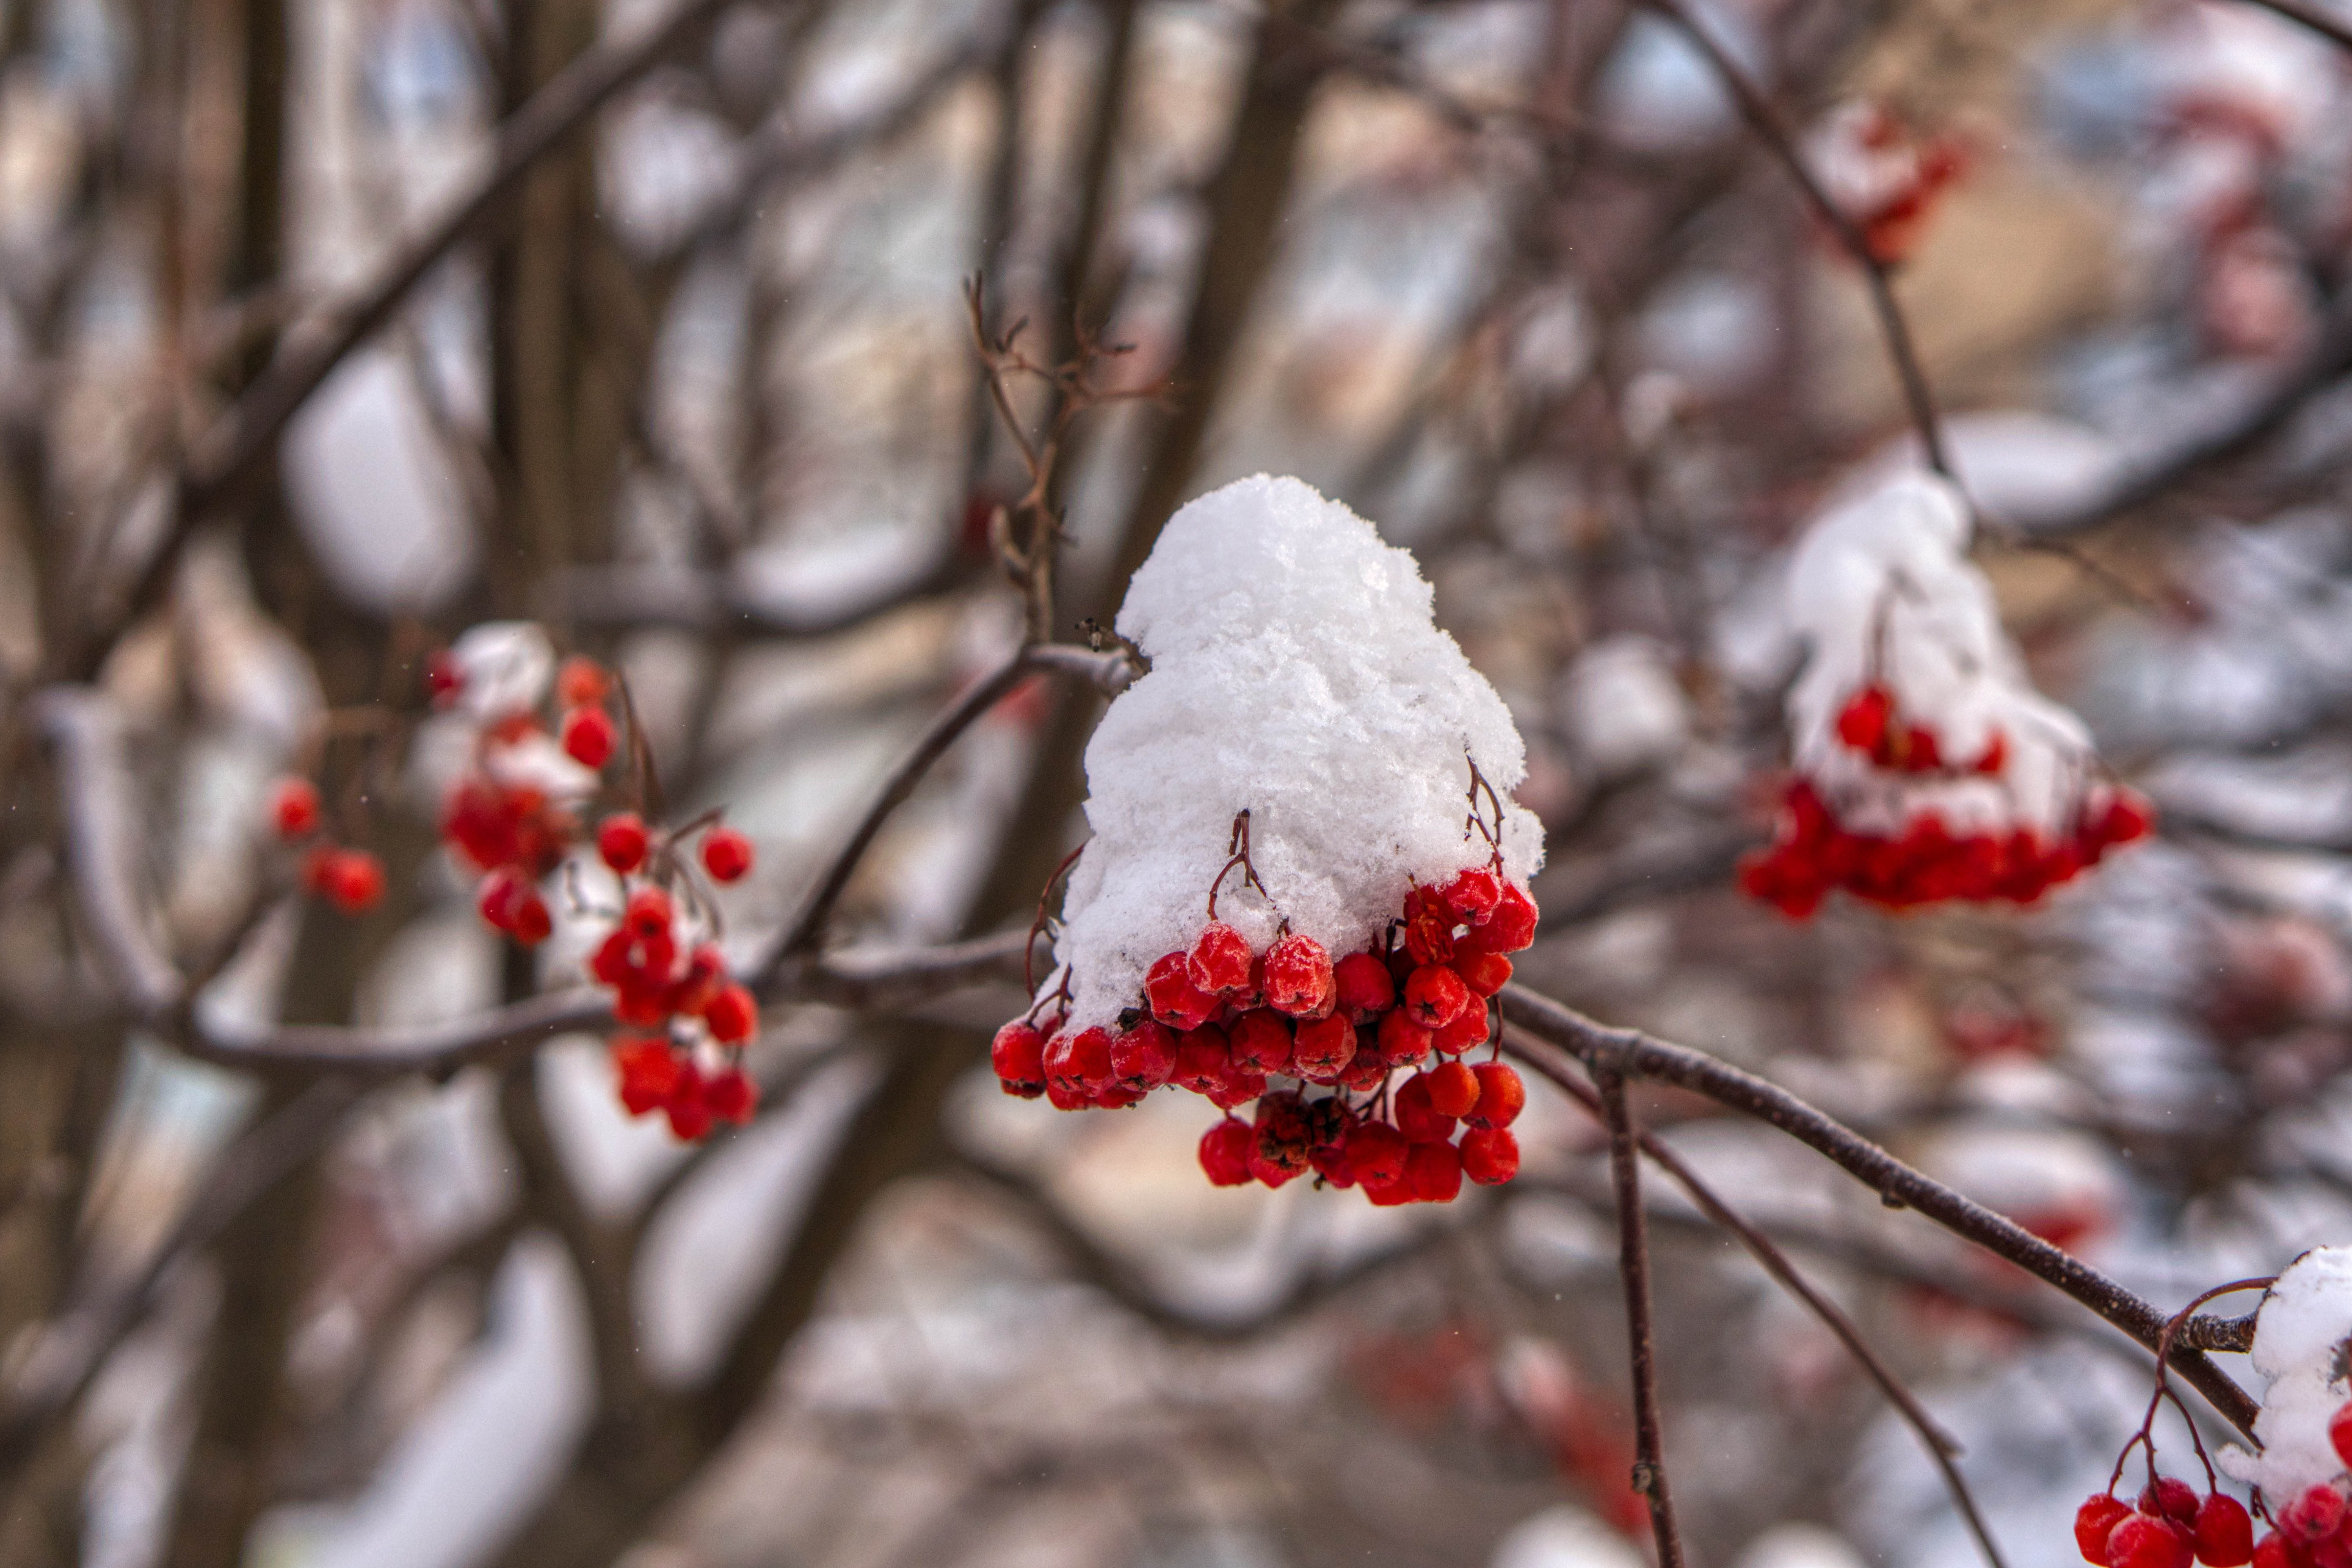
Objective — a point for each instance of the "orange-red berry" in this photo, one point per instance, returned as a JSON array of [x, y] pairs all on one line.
[[726, 855]]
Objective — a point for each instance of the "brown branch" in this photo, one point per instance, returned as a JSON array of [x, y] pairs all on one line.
[[1637, 1055], [1633, 1268], [86, 736], [1765, 121], [1942, 1446], [2312, 17]]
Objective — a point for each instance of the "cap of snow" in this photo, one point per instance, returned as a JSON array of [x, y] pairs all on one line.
[[1296, 674], [2300, 1338], [1881, 590], [503, 667]]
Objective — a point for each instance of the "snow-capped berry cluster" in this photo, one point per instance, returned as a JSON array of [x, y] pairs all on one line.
[[350, 879], [1927, 767], [2301, 1477], [1229, 1023], [1882, 179], [1302, 714], [515, 816]]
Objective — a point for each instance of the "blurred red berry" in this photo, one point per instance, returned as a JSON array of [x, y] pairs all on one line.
[[582, 681], [622, 841], [731, 1096], [726, 855], [294, 808], [732, 1015], [588, 736]]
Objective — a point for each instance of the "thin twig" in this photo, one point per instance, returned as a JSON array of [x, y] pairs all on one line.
[[1942, 1446], [1630, 1052], [1633, 1267], [1765, 121]]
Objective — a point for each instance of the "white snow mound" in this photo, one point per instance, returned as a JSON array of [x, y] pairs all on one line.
[[2299, 1345], [1296, 673]]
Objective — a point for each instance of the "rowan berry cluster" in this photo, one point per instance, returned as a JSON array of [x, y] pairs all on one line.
[[350, 879], [2168, 1526], [1236, 1025], [1927, 862]]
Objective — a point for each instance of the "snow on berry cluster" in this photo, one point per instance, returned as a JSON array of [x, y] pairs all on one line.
[[1882, 179], [514, 814], [1927, 767], [1311, 753], [2301, 1338]]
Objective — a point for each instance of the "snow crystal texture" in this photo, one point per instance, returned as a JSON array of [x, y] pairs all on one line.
[[1883, 589], [1296, 673], [2299, 1345]]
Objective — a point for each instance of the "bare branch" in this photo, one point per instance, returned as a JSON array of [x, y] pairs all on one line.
[[1633, 1268]]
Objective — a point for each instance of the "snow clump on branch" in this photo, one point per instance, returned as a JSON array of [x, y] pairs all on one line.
[[2301, 1337]]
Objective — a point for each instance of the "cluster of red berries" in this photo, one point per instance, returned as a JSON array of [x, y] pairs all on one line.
[[1226, 1023], [587, 733], [351, 880], [2169, 1527], [655, 990], [1926, 863]]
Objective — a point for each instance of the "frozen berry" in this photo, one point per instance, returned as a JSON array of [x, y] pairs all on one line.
[[1376, 1151], [1220, 960], [1490, 1155], [294, 808], [1224, 1152], [582, 681], [726, 855], [1175, 1000], [622, 841], [1064, 1090], [1513, 925], [1365, 1071], [1435, 997], [1434, 1171], [1090, 1060], [1403, 1042], [1325, 1047], [732, 1017], [2094, 1521], [2223, 1534], [1281, 1139], [1472, 895], [1203, 1060], [1420, 1122], [1364, 985], [1465, 1033], [1260, 1040], [1142, 1058], [1484, 973], [588, 736], [2314, 1515], [2147, 1540], [1298, 977], [1501, 1095], [1429, 922], [1453, 1089], [1018, 1055], [731, 1096], [1238, 1087], [2173, 1498]]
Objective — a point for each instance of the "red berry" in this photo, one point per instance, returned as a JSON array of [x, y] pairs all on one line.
[[731, 1096], [1175, 1000], [1416, 1117], [294, 808], [649, 1069], [580, 681], [532, 924], [443, 680], [2146, 1541], [1403, 1042], [1018, 1055], [1490, 1155], [1281, 1139], [2339, 1433], [1453, 1089], [588, 736], [732, 1015], [647, 914], [495, 898], [1220, 960], [1435, 997], [705, 976], [1376, 1153], [1325, 1047], [726, 855], [2094, 1521], [351, 880], [1862, 723], [690, 1118], [1364, 986], [1472, 895], [1429, 922], [1090, 1062], [1238, 1087], [1224, 1152], [1365, 1071], [1465, 1033], [1513, 926], [1203, 1060], [1064, 1090], [1434, 1171], [2173, 1498], [1298, 977], [2275, 1550], [2127, 816], [622, 841], [1143, 1057], [1260, 1041], [2315, 1515], [1484, 973], [2223, 1533], [1501, 1095]]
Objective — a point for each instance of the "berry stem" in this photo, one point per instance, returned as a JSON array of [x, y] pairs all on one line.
[[1238, 847], [1633, 1267], [1037, 926]]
